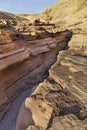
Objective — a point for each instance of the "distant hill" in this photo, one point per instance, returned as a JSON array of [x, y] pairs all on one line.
[[66, 11], [63, 13]]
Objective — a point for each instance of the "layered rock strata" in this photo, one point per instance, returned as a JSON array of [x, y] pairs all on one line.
[[23, 65], [60, 101]]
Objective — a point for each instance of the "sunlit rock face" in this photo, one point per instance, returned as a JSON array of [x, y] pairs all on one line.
[[28, 50], [64, 91], [24, 63]]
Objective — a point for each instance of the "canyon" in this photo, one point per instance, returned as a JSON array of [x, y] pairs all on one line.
[[43, 62]]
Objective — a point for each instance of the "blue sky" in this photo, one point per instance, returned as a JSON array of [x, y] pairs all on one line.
[[25, 6]]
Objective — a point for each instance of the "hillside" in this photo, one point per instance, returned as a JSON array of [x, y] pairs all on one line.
[[66, 12]]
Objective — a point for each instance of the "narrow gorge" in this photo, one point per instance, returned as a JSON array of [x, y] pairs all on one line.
[[24, 65], [43, 69]]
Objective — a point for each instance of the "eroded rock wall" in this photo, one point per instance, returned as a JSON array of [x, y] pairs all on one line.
[[61, 99], [23, 65]]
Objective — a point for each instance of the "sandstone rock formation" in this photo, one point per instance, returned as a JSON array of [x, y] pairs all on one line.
[[24, 61], [65, 89], [28, 48]]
